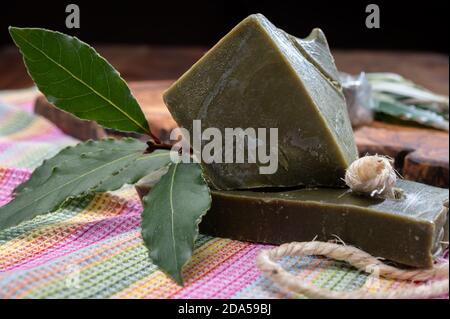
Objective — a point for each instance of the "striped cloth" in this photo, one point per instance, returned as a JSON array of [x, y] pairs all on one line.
[[91, 247]]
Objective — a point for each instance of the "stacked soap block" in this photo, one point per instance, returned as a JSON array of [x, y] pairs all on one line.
[[258, 76]]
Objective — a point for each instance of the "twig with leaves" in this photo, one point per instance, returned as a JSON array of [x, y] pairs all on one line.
[[76, 79]]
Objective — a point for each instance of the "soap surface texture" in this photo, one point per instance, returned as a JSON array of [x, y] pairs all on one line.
[[410, 231], [258, 76]]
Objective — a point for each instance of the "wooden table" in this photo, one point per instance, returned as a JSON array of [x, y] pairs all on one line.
[[420, 154], [140, 62]]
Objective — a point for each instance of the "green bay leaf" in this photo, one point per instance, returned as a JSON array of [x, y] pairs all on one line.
[[172, 211], [74, 77], [43, 172], [131, 174], [75, 174]]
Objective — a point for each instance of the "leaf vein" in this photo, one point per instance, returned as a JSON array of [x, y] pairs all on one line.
[[78, 178], [85, 84], [74, 97]]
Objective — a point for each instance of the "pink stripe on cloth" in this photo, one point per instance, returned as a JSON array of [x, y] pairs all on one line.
[[230, 277], [114, 216], [26, 106], [48, 134], [9, 179], [65, 241]]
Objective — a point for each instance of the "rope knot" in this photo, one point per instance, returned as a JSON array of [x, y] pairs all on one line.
[[374, 176]]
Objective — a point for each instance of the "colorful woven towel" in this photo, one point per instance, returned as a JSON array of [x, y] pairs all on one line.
[[91, 247]]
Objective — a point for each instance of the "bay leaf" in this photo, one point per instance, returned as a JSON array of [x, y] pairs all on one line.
[[43, 172], [172, 212], [77, 174], [131, 174], [75, 78]]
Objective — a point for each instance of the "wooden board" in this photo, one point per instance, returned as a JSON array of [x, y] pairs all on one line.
[[143, 62], [420, 154]]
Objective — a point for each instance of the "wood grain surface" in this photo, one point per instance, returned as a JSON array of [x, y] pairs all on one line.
[[142, 62], [420, 154]]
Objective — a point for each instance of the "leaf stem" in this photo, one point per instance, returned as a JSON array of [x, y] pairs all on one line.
[[155, 139], [153, 145]]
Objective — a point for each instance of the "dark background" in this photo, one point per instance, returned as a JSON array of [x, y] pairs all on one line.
[[405, 25]]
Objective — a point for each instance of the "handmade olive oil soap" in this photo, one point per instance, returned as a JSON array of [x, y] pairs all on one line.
[[258, 76], [409, 231]]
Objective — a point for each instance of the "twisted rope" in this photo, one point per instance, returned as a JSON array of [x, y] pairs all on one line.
[[437, 277]]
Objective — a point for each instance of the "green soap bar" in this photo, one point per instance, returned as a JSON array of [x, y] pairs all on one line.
[[258, 76], [409, 231]]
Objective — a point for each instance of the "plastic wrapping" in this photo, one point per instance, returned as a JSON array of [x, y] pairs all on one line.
[[389, 97], [358, 95]]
